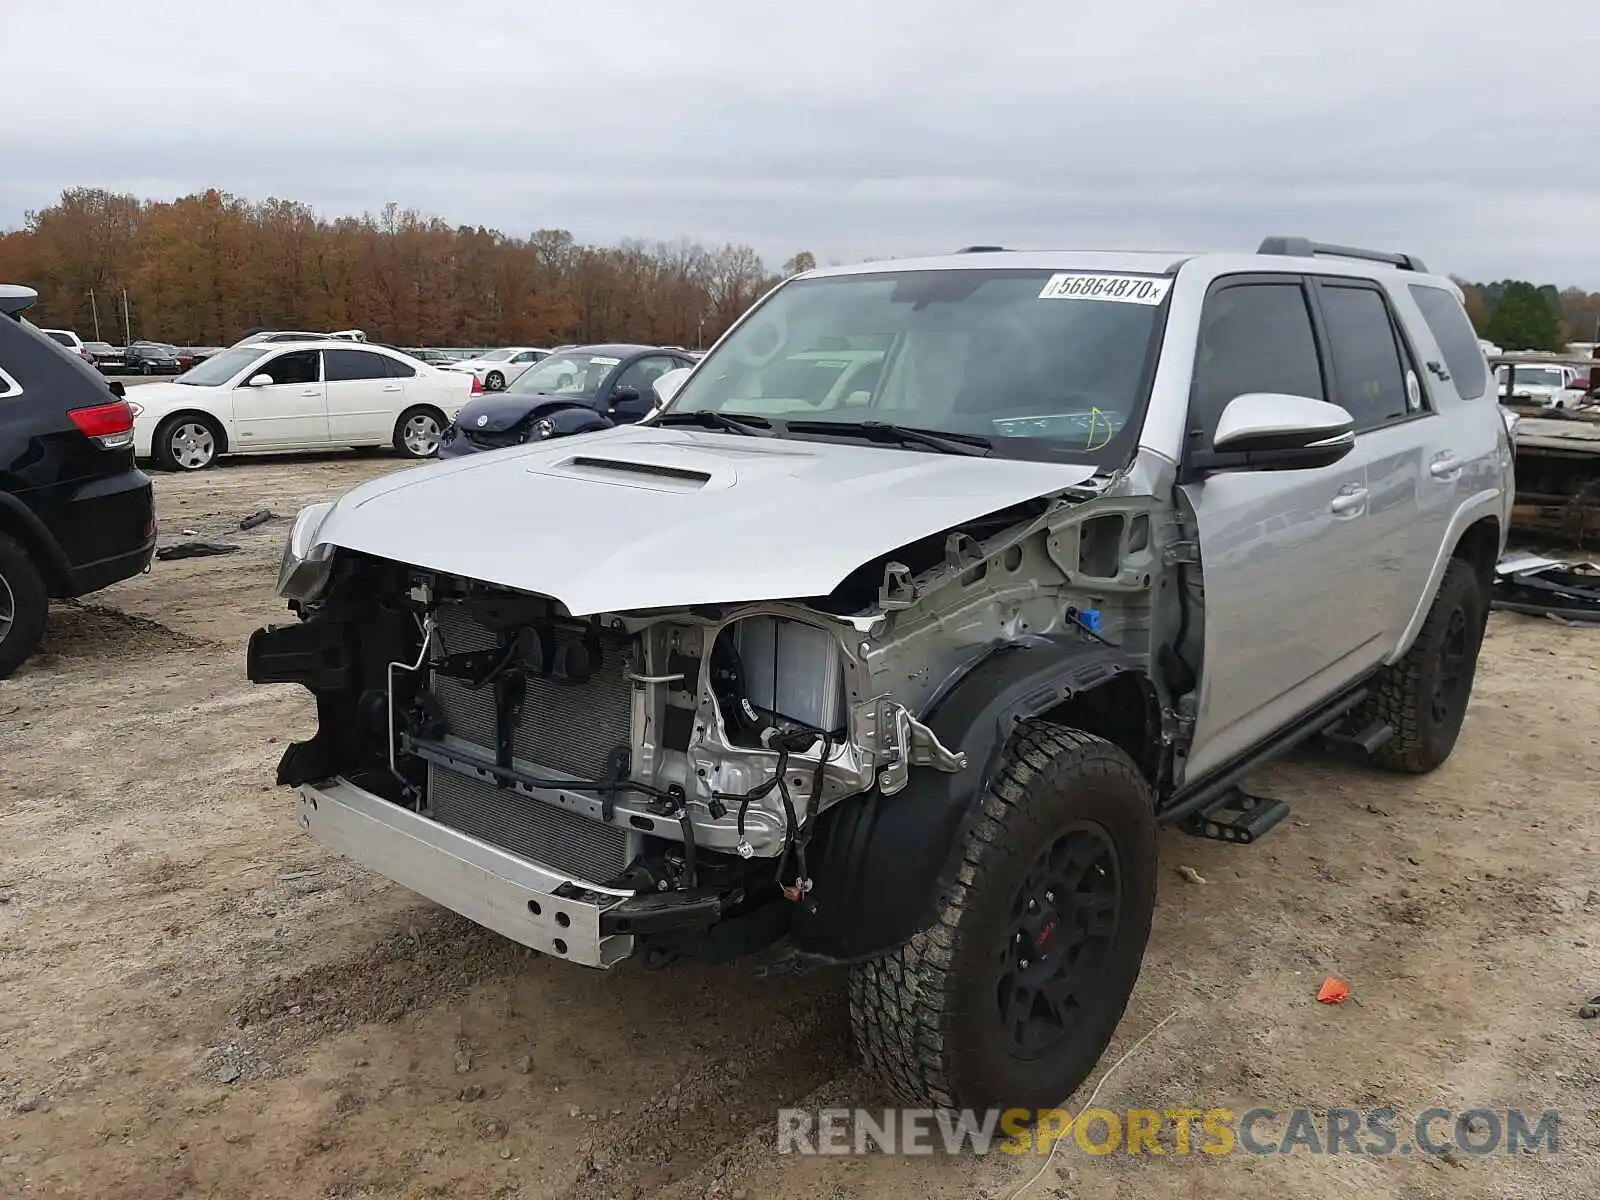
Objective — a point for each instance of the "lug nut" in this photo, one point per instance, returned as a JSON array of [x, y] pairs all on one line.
[[1024, 964], [1049, 897]]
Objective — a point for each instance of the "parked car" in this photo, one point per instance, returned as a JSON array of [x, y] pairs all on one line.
[[65, 337], [434, 358], [1554, 385], [151, 358], [589, 387], [107, 359], [268, 337], [296, 396], [193, 356], [76, 514], [909, 684], [499, 369]]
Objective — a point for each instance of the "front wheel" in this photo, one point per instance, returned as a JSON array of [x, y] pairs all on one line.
[[1424, 696], [1010, 998], [418, 432], [494, 381], [146, 369]]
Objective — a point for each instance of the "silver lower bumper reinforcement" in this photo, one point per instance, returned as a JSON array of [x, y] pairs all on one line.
[[516, 898]]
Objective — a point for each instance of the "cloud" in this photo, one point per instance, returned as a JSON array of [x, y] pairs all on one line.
[[851, 129]]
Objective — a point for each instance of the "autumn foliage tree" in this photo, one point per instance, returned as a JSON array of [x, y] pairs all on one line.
[[207, 268]]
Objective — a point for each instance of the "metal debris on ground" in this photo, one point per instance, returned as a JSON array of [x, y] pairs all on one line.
[[1547, 587], [194, 550]]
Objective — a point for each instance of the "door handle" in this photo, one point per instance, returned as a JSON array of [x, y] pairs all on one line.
[[391, 387], [311, 392], [1348, 503], [1447, 467]]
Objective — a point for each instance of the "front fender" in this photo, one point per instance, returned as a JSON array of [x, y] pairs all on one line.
[[880, 865]]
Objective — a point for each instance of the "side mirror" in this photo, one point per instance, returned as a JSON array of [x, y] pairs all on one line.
[[625, 395], [667, 384], [1271, 431], [261, 380], [117, 389]]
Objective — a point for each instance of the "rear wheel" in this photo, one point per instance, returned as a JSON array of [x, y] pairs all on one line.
[[1424, 696], [418, 432], [1010, 998], [24, 601], [187, 442]]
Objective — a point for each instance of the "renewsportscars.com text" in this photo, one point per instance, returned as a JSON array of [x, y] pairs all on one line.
[[1378, 1132]]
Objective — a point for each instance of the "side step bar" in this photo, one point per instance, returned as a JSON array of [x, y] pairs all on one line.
[[1236, 816], [1221, 810]]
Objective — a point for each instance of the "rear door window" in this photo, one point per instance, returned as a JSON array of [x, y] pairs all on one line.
[[1371, 379], [345, 365]]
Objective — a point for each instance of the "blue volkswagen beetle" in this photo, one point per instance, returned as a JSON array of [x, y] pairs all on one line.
[[573, 390]]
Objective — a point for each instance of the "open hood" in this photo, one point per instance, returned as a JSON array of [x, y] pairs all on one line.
[[642, 517]]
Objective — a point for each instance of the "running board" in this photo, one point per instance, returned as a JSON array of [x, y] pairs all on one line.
[[1367, 739], [1235, 816]]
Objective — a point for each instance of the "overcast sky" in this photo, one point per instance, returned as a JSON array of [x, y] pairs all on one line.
[[1465, 132]]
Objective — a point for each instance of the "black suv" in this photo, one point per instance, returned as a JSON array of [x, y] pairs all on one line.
[[75, 513]]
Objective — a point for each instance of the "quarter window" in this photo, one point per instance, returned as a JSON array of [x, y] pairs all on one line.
[[1254, 337], [1458, 342], [396, 368]]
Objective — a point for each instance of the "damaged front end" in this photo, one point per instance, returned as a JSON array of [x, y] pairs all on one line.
[[686, 780]]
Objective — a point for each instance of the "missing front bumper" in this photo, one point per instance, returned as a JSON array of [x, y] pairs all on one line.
[[521, 900]]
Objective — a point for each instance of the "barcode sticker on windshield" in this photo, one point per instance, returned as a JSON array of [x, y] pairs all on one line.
[[1120, 289], [597, 361]]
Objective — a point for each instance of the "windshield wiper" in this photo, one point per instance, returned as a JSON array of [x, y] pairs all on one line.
[[712, 419], [971, 444]]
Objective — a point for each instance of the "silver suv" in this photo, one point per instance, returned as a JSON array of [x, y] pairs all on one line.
[[904, 674]]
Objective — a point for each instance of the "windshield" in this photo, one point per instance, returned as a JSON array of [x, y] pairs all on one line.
[[56, 335], [220, 368], [567, 374], [1540, 377], [496, 355], [1044, 364]]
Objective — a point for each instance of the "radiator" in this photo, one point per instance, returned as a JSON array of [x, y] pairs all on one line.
[[565, 729], [543, 833]]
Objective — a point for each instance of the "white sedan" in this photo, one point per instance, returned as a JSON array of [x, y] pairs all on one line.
[[296, 396], [499, 369]]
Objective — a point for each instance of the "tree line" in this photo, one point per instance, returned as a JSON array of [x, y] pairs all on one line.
[[207, 268]]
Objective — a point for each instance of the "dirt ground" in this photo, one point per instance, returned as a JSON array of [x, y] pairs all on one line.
[[195, 1000]]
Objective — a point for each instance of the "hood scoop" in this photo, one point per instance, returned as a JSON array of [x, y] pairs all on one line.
[[640, 472]]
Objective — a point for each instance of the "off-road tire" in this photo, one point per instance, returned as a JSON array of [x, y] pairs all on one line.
[[1405, 693], [23, 591], [925, 1019]]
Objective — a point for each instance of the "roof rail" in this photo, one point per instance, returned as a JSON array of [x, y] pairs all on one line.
[[15, 297], [1299, 247], [980, 249]]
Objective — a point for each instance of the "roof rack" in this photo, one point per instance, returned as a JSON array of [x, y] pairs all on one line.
[[15, 297], [1299, 247], [980, 250]]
